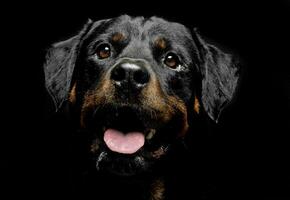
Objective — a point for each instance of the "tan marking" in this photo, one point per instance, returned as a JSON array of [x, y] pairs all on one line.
[[157, 190], [196, 105], [158, 153], [160, 43], [179, 105], [165, 106], [95, 146], [102, 94], [72, 94], [153, 97], [118, 37]]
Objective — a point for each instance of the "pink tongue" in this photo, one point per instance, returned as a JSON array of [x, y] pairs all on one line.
[[123, 143]]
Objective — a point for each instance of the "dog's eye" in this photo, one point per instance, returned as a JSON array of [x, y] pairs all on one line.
[[171, 60], [103, 51]]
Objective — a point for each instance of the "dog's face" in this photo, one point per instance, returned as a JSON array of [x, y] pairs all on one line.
[[135, 84]]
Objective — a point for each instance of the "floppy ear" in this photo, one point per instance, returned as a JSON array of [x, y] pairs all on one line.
[[60, 64], [220, 74]]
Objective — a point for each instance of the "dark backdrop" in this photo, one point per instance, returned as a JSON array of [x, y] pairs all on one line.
[[251, 144]]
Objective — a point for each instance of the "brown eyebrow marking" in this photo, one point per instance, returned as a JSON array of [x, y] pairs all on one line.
[[160, 43], [118, 37]]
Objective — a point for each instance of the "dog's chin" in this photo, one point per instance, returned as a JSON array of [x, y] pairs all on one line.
[[121, 165], [143, 161]]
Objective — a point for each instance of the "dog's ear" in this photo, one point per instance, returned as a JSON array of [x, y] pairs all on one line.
[[220, 74], [60, 62], [59, 65]]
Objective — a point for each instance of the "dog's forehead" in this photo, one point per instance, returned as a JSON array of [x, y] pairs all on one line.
[[140, 27]]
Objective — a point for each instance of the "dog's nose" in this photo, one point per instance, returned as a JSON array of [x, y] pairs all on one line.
[[132, 75]]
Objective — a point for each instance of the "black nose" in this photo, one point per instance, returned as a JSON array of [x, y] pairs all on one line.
[[133, 75]]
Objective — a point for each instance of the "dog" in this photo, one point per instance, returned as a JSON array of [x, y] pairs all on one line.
[[136, 86]]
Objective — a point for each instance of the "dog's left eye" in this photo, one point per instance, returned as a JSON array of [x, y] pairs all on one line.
[[103, 51], [171, 60]]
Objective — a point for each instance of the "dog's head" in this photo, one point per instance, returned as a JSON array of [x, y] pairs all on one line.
[[135, 84]]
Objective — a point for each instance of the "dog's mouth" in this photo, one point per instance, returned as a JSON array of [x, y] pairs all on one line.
[[125, 143], [127, 131], [129, 140]]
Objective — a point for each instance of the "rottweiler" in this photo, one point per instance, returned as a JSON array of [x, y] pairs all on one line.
[[135, 85]]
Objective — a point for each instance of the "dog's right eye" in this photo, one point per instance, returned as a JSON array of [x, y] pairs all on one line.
[[103, 51], [172, 61]]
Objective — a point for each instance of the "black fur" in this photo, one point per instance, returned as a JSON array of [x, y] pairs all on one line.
[[206, 73], [220, 73]]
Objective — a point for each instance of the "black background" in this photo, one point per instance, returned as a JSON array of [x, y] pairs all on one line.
[[252, 139]]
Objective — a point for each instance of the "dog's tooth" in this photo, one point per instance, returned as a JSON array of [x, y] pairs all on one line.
[[150, 134]]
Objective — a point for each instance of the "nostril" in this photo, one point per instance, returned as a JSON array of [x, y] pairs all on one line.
[[118, 74], [141, 77], [130, 75]]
